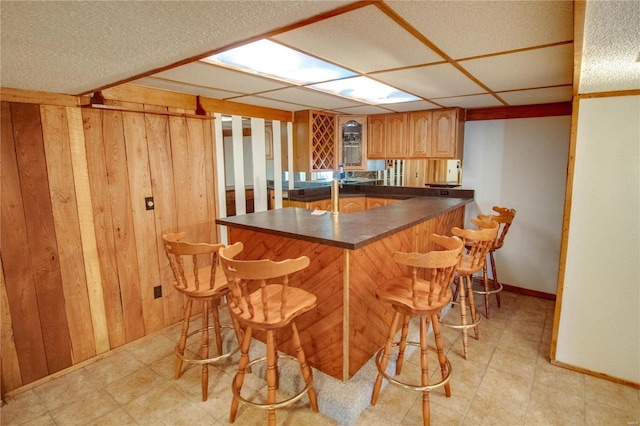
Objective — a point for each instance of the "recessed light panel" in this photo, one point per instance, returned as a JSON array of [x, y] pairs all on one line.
[[273, 60], [366, 90]]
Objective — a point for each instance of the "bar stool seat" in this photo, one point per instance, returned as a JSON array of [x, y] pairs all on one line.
[[206, 285], [271, 307], [504, 218], [478, 242], [422, 291]]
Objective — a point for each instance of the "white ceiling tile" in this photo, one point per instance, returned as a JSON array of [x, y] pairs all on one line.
[[611, 54], [363, 40], [175, 86], [411, 106], [551, 66], [269, 103], [221, 78], [538, 96], [469, 28], [302, 96], [433, 81], [366, 110], [78, 46], [474, 101]]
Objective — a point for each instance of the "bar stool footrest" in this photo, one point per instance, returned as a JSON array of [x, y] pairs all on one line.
[[410, 386], [461, 326], [480, 289], [200, 361], [277, 404]]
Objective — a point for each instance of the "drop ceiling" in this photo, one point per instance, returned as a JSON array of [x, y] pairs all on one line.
[[469, 54]]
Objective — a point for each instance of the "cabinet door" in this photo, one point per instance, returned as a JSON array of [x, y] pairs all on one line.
[[419, 134], [352, 204], [320, 205], [375, 137], [372, 202], [352, 140], [396, 136], [444, 135]]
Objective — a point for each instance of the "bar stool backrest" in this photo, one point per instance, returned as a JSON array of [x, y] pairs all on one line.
[[201, 254], [440, 264], [265, 271], [478, 243], [505, 219]]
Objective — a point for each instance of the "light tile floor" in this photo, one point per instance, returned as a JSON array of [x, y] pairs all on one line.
[[507, 380]]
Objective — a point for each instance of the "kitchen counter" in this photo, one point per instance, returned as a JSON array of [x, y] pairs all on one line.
[[346, 230], [350, 254]]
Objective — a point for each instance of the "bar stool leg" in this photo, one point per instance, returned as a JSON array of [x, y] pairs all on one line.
[[204, 349], [272, 376], [304, 367], [183, 337], [424, 364], [472, 307], [403, 344], [239, 378], [495, 276], [216, 322], [435, 323], [385, 357], [463, 315]]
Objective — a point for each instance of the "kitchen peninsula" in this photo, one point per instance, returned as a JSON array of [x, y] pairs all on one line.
[[350, 253]]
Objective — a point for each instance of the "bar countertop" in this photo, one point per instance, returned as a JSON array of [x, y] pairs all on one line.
[[346, 230]]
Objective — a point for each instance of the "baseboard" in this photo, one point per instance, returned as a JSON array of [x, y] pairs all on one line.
[[520, 290]]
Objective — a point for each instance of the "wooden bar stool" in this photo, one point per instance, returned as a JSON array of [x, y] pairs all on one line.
[[271, 307], [477, 243], [504, 218], [413, 296], [206, 284]]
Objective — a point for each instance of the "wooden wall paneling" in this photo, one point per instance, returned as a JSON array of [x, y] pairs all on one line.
[[146, 246], [87, 229], [125, 244], [199, 196], [104, 227], [164, 195], [10, 376], [40, 228], [369, 318], [57, 150], [17, 268], [208, 140]]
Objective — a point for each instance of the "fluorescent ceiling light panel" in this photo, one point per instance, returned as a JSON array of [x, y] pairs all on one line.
[[366, 90], [273, 60]]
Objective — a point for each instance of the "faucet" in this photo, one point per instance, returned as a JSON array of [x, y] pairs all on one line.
[[335, 193]]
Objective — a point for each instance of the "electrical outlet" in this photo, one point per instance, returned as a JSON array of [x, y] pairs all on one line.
[[157, 292], [444, 192], [148, 203]]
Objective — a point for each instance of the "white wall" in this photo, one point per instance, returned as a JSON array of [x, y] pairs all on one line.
[[599, 328], [521, 164]]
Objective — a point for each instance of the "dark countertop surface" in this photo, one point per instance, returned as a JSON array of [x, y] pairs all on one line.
[[346, 230], [383, 191]]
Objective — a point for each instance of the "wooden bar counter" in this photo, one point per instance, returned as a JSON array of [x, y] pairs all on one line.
[[350, 253]]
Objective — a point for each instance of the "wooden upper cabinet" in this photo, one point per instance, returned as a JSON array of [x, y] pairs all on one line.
[[375, 137], [419, 134], [352, 141], [396, 136], [447, 134], [314, 147], [387, 137], [436, 134]]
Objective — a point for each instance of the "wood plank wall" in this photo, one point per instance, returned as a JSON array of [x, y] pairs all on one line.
[[80, 252]]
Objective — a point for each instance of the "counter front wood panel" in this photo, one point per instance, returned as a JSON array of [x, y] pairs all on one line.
[[349, 323]]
